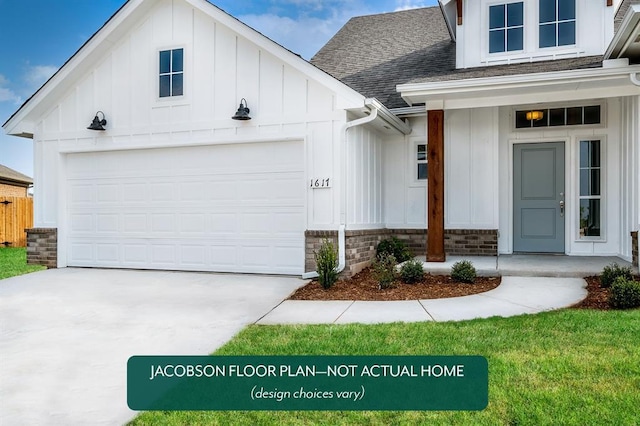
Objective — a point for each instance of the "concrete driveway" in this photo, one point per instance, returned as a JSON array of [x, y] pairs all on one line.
[[66, 334]]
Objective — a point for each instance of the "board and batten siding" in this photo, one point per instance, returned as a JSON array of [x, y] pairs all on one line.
[[471, 168], [405, 198], [221, 67], [365, 178], [471, 173], [629, 166]]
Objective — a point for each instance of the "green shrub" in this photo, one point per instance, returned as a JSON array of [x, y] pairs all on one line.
[[326, 264], [384, 270], [463, 271], [613, 271], [395, 247], [625, 293], [411, 271]]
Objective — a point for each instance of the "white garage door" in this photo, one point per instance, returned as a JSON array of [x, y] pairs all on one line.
[[226, 208]]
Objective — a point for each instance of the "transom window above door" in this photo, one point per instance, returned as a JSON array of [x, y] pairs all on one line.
[[506, 27]]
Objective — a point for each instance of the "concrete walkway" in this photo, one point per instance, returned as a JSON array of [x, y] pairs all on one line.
[[514, 296]]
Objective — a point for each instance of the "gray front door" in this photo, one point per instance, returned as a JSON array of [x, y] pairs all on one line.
[[538, 197]]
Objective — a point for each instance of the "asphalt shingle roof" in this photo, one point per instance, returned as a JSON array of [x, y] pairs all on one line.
[[372, 54], [11, 175]]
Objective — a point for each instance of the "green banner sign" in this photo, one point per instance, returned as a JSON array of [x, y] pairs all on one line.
[[307, 383]]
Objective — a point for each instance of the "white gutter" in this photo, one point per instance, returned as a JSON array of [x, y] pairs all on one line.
[[342, 258], [513, 81], [386, 115]]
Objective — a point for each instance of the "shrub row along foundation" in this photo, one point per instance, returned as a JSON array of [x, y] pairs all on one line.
[[361, 244]]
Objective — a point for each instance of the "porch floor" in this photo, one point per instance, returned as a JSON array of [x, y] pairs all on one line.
[[529, 265]]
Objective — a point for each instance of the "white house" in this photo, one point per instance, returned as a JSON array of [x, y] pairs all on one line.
[[475, 127]]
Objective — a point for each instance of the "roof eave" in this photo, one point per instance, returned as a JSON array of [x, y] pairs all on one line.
[[386, 115], [629, 30], [486, 87]]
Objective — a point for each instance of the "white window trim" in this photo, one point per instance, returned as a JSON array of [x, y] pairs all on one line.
[[603, 190], [412, 161], [486, 21], [186, 59], [564, 47], [498, 56], [601, 125]]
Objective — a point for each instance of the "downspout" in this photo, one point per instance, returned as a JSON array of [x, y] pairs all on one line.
[[342, 258], [635, 78]]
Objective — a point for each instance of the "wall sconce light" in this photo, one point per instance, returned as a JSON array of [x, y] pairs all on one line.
[[535, 115], [98, 124], [243, 111]]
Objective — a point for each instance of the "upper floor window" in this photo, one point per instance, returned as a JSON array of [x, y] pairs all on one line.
[[506, 27], [557, 23], [171, 73]]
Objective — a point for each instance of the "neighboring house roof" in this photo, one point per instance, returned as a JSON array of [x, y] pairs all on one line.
[[374, 53], [8, 175]]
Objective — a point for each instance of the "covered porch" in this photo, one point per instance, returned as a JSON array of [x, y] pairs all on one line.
[[529, 265]]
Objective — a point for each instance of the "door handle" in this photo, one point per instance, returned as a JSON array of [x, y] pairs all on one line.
[[561, 208]]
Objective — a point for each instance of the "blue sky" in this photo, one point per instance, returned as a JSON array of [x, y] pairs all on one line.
[[38, 36]]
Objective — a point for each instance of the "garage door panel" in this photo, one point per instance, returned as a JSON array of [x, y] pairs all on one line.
[[82, 253], [134, 222], [236, 212], [107, 253], [163, 255], [193, 255], [223, 223], [134, 254]]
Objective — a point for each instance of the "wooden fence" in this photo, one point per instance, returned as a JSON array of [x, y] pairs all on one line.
[[16, 215]]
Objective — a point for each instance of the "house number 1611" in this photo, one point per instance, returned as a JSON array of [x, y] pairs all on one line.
[[320, 183]]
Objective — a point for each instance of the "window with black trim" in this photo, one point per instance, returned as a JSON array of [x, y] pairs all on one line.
[[171, 66], [590, 188], [552, 117], [421, 159], [557, 23], [506, 27]]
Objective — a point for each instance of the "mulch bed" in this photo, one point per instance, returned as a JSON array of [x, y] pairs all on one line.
[[597, 298], [363, 286]]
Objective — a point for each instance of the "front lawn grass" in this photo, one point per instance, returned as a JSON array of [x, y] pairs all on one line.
[[571, 367], [13, 262]]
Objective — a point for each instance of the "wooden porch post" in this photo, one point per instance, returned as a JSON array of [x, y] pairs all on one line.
[[435, 183]]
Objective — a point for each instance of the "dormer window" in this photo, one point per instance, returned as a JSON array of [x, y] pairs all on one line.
[[506, 27], [557, 23]]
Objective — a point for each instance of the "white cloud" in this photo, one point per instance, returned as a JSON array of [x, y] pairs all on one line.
[[411, 4], [36, 75], [287, 31], [6, 94]]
